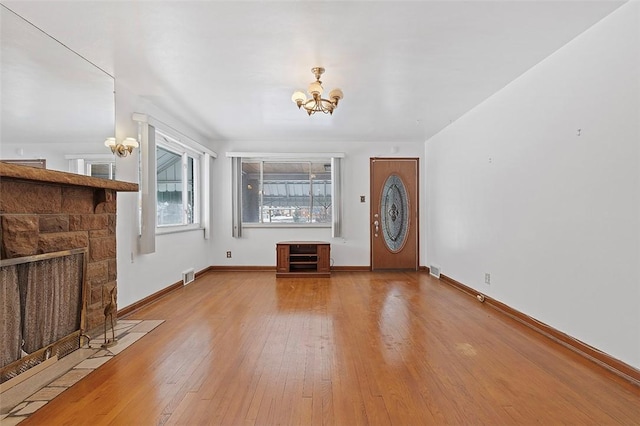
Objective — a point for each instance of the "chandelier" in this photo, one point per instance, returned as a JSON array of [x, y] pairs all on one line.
[[317, 103]]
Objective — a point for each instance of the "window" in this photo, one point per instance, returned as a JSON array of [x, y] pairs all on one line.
[[176, 184], [295, 192], [174, 177], [101, 169]]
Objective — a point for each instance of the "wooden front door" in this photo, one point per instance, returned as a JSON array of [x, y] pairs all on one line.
[[394, 213]]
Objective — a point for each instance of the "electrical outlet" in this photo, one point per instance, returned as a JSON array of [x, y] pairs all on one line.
[[229, 255], [487, 278]]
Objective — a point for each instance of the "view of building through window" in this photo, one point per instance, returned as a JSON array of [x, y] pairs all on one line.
[[286, 192], [176, 188]]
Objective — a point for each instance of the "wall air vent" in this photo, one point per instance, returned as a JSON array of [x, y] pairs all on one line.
[[188, 276], [434, 271]]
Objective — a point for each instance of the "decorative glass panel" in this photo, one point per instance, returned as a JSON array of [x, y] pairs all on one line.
[[394, 212]]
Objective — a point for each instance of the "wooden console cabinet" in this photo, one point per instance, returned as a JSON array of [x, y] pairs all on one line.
[[303, 259]]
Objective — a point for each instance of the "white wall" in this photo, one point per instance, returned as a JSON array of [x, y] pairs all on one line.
[[553, 216], [53, 152]]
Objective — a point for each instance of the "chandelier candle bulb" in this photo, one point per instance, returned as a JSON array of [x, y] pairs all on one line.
[[315, 89], [335, 95], [110, 142], [299, 98], [130, 142]]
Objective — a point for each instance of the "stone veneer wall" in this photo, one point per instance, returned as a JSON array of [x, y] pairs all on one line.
[[41, 217]]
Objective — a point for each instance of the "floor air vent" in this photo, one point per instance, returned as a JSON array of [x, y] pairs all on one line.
[[188, 276], [434, 271]]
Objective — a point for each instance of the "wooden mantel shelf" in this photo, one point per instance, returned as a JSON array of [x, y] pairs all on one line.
[[53, 176]]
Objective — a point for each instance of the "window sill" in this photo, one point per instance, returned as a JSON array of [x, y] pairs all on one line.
[[178, 229], [286, 225]]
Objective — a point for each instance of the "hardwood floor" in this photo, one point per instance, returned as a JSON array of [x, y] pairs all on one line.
[[356, 348]]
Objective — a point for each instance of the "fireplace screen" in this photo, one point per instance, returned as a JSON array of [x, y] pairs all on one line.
[[42, 305]]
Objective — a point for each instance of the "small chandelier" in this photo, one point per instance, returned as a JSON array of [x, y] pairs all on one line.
[[317, 103], [121, 149]]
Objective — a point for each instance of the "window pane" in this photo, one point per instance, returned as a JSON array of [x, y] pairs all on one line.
[[169, 187], [321, 199], [285, 199], [101, 170], [190, 190], [291, 192]]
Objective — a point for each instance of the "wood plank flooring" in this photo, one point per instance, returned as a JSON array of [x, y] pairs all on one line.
[[354, 349]]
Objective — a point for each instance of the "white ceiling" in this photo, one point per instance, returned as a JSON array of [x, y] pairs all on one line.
[[228, 69]]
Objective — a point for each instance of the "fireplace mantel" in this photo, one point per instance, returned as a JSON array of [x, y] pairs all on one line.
[[53, 176]]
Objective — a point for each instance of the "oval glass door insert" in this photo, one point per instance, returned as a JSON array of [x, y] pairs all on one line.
[[394, 212]]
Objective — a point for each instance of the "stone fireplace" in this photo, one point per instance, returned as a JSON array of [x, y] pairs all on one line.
[[58, 244]]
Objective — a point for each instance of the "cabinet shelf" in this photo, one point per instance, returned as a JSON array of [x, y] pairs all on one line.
[[303, 259]]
